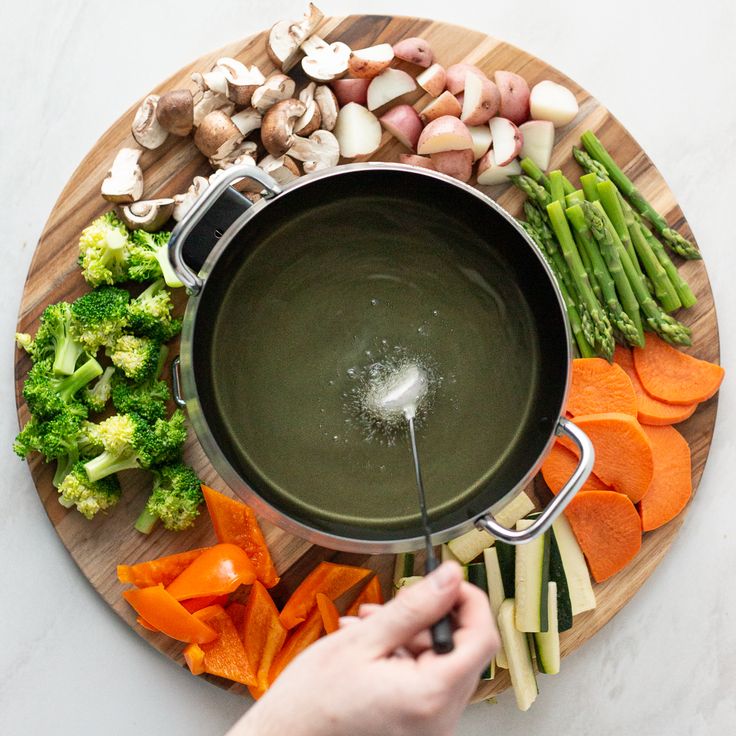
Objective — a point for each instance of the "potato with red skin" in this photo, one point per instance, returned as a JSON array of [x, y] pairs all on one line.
[[458, 164], [490, 174], [370, 62], [411, 159], [415, 51], [446, 133], [445, 104], [357, 130], [481, 135], [514, 96], [507, 140], [387, 86], [350, 90], [456, 76], [433, 79], [481, 100], [404, 124]]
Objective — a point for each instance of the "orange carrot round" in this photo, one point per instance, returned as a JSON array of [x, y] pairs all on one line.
[[599, 387], [608, 530], [560, 464], [673, 376], [671, 486], [649, 410]]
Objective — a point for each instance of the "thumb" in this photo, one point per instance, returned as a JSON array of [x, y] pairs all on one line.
[[415, 610]]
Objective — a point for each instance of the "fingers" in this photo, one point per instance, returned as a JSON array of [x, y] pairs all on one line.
[[397, 622]]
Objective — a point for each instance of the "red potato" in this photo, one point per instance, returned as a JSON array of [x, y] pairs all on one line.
[[415, 51], [507, 140], [458, 164], [539, 139], [456, 76], [481, 135], [490, 174], [357, 131], [412, 159], [370, 62], [551, 101], [432, 80], [404, 124], [481, 100], [446, 133], [350, 90], [514, 96], [445, 104], [387, 86]]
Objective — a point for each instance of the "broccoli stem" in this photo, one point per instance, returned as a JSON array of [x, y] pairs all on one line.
[[146, 521], [67, 355], [108, 463], [78, 379], [167, 270]]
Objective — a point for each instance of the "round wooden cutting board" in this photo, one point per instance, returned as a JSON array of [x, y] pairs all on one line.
[[98, 545]]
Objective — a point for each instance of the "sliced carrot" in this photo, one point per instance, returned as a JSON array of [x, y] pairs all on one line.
[[300, 638], [623, 454], [194, 657], [560, 464], [650, 410], [599, 387], [162, 570], [225, 656], [372, 593], [328, 611], [673, 376], [671, 486], [608, 530]]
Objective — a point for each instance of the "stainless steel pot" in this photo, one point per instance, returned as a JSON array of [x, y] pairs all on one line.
[[193, 374]]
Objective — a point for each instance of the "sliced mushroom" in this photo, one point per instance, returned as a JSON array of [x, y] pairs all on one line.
[[175, 112], [124, 180], [146, 129], [183, 202], [276, 88], [328, 108], [149, 215], [324, 62], [277, 127], [283, 169], [286, 37], [216, 132], [247, 120], [209, 101], [320, 151], [310, 121], [234, 79], [230, 155]]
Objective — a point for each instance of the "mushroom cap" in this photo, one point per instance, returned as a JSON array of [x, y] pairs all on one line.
[[276, 88], [148, 215], [216, 130], [310, 121], [320, 151], [324, 62], [207, 102], [277, 126], [124, 180], [175, 112], [328, 107], [146, 129]]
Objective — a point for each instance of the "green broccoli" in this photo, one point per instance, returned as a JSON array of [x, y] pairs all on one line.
[[96, 397], [149, 258], [175, 499], [130, 442], [148, 399], [137, 357], [88, 496], [89, 440], [100, 317], [104, 250], [48, 394], [149, 314]]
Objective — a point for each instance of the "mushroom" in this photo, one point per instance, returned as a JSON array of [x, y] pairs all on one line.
[[124, 180], [208, 101], [175, 112], [148, 215], [276, 88], [277, 127], [183, 202], [325, 61], [230, 155], [286, 37], [282, 168], [247, 120], [234, 79], [146, 129], [327, 104], [312, 118], [320, 151], [215, 133]]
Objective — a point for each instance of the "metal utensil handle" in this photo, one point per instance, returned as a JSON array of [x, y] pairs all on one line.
[[179, 400], [555, 508], [187, 276]]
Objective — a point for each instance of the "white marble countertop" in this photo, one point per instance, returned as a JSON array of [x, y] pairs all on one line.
[[666, 663]]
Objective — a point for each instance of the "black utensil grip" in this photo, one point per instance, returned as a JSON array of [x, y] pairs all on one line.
[[441, 631]]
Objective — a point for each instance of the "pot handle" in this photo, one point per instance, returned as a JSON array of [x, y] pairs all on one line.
[[555, 508], [179, 400], [184, 227]]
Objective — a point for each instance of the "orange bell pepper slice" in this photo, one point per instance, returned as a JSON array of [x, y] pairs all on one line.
[[194, 657], [162, 570], [328, 611], [219, 570], [225, 656], [328, 578], [234, 522], [236, 611], [305, 634], [263, 635], [161, 610], [197, 604], [372, 593]]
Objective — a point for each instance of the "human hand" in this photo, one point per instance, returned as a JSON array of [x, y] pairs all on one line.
[[379, 675]]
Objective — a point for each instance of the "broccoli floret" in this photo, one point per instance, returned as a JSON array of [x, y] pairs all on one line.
[[100, 317], [149, 258], [103, 251], [148, 399], [48, 394], [88, 496], [89, 440], [137, 357], [175, 499], [130, 442], [150, 314], [54, 339], [96, 397]]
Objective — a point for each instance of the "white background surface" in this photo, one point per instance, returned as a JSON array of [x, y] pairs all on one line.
[[666, 664]]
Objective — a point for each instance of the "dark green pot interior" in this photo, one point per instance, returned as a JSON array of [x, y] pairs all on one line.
[[364, 267]]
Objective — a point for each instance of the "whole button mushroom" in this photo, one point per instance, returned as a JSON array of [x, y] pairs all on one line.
[[277, 128], [175, 112]]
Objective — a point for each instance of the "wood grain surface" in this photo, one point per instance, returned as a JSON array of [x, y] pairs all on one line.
[[98, 545]]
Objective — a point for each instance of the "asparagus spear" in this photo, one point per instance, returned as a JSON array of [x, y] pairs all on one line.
[[536, 192], [589, 182], [567, 186], [533, 171], [616, 313], [556, 187], [681, 246], [602, 331], [589, 164], [574, 197]]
